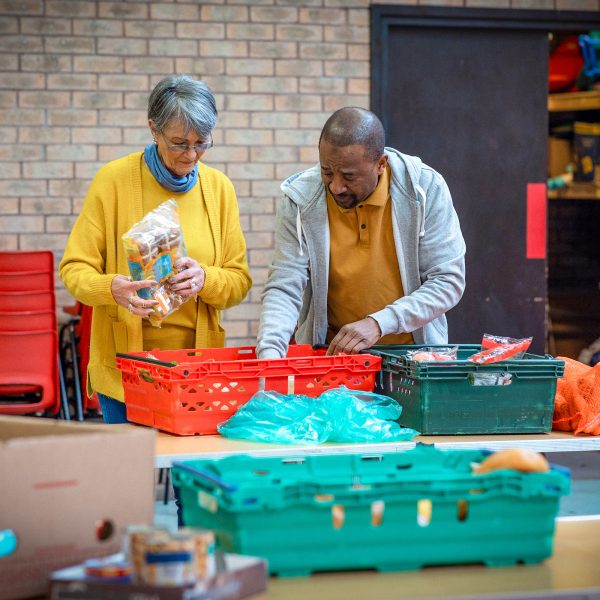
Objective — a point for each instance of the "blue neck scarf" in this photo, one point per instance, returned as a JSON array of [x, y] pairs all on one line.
[[164, 176]]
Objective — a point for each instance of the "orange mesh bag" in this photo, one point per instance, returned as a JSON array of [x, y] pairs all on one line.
[[577, 400]]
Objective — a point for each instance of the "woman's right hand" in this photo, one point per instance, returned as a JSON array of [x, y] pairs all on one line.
[[124, 291]]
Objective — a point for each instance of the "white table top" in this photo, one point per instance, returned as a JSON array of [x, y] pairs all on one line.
[[170, 448]]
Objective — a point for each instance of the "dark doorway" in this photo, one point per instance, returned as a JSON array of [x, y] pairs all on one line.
[[466, 90]]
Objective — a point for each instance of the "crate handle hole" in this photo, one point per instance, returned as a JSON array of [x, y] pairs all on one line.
[[424, 512], [324, 498], [371, 457], [292, 461], [338, 515], [260, 472], [377, 510], [462, 508], [145, 375]]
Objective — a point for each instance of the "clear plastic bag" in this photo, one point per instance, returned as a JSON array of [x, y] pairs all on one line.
[[338, 415], [153, 245], [497, 348], [433, 354]]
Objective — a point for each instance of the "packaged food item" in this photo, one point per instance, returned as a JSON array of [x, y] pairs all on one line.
[[519, 459], [108, 568], [153, 245], [135, 543], [204, 545], [170, 560], [497, 348], [433, 354], [161, 557]]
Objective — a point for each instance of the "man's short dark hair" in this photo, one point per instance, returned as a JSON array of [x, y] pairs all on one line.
[[353, 125]]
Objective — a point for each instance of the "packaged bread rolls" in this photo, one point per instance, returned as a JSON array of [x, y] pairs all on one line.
[[152, 246]]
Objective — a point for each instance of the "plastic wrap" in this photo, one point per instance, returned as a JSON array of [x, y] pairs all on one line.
[[153, 245], [338, 415], [497, 348], [433, 354]]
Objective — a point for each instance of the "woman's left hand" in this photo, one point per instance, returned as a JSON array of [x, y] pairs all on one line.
[[189, 281]]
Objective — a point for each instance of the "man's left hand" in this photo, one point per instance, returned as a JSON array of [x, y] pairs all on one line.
[[354, 337]]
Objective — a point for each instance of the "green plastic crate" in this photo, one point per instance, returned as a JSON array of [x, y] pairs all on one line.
[[391, 511], [461, 397]]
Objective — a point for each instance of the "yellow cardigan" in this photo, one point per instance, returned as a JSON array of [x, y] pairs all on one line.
[[94, 255]]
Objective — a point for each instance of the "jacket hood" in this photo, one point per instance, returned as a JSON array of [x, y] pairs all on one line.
[[306, 187]]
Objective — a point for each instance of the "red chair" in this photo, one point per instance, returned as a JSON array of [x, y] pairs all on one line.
[[26, 261], [29, 372], [29, 320], [25, 301], [75, 352], [30, 375], [27, 271]]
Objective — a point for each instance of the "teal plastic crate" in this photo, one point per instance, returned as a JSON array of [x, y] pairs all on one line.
[[391, 511], [461, 397]]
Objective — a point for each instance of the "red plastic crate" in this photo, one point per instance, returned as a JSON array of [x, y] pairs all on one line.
[[189, 392]]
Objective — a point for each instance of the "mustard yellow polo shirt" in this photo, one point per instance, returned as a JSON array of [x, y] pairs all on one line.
[[364, 276]]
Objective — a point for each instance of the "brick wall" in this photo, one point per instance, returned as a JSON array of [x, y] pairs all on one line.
[[75, 77]]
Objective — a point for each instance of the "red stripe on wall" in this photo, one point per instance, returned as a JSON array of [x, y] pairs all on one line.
[[536, 220]]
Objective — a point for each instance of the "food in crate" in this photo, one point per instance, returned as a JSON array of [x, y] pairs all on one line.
[[389, 511], [518, 459], [496, 348], [463, 397], [433, 354]]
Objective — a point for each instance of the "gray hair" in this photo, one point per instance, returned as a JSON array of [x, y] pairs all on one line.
[[353, 125], [181, 98]]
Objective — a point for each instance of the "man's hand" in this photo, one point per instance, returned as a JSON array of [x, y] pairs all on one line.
[[354, 337]]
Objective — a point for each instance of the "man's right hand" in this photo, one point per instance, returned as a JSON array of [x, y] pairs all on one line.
[[354, 337]]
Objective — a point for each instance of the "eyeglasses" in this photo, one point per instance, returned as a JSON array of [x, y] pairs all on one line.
[[181, 148]]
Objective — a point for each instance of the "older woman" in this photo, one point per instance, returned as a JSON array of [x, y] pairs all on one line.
[[181, 117]]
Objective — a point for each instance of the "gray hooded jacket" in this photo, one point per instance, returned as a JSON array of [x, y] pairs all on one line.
[[429, 244]]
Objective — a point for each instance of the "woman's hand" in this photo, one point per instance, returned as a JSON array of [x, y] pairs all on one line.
[[189, 281], [124, 292]]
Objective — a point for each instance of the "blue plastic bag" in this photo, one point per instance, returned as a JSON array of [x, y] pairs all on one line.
[[338, 415]]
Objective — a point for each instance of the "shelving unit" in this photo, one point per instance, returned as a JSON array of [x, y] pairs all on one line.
[[576, 191], [574, 101], [573, 291]]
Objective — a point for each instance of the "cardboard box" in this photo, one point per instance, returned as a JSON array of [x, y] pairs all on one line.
[[237, 577], [68, 491], [560, 154]]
